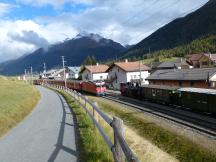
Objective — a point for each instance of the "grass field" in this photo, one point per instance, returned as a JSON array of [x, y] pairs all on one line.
[[91, 144], [93, 148], [17, 100], [151, 60], [177, 146]]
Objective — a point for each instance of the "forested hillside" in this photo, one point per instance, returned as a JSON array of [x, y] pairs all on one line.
[[199, 26]]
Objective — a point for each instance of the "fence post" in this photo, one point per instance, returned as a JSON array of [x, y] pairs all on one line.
[[118, 124]]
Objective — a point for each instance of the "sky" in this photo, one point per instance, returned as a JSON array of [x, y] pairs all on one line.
[[26, 25]]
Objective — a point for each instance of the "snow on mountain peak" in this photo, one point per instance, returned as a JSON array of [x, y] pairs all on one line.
[[83, 34]]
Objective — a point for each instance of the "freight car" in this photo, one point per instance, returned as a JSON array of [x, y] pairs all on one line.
[[94, 87], [197, 99]]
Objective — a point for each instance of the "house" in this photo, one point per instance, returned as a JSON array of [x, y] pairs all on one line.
[[197, 77], [200, 60], [94, 72], [123, 72], [56, 74], [178, 63], [73, 72], [212, 57]]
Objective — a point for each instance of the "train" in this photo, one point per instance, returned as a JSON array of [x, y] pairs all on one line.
[[197, 99], [97, 88]]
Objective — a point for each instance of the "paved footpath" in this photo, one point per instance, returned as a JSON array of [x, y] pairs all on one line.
[[47, 134]]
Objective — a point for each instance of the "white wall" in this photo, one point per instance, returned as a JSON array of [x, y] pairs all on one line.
[[73, 75], [86, 75], [121, 77], [213, 78], [124, 77], [100, 76], [136, 75]]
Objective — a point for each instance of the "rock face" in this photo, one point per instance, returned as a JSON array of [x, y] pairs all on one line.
[[74, 50]]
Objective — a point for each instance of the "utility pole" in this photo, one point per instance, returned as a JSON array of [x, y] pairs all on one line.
[[31, 76], [25, 77], [44, 66], [91, 73], [28, 77], [63, 64], [140, 71]]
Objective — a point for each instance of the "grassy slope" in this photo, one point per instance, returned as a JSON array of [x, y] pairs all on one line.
[[17, 99], [174, 144], [92, 146]]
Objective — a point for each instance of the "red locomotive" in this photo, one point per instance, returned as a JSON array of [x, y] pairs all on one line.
[[97, 88]]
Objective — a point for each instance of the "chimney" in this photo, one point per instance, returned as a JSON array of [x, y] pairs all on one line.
[[126, 60], [97, 63]]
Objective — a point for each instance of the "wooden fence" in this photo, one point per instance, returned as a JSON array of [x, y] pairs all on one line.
[[120, 149]]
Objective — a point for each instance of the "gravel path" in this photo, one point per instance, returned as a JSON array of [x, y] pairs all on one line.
[[47, 134]]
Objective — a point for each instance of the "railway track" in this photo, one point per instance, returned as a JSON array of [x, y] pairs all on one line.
[[196, 122]]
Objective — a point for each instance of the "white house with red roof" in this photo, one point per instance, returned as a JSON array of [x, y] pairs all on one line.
[[94, 72], [123, 72]]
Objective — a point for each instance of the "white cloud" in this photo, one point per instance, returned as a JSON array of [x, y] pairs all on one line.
[[21, 37], [5, 8], [124, 21]]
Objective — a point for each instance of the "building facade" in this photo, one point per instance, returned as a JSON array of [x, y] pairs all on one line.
[[124, 72], [198, 78], [94, 72], [201, 60], [73, 72]]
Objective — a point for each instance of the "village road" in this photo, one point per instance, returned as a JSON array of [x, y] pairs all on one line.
[[47, 134]]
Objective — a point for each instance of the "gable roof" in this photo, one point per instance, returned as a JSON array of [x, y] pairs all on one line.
[[195, 57], [95, 68], [75, 69], [183, 74], [172, 64], [130, 66], [211, 56]]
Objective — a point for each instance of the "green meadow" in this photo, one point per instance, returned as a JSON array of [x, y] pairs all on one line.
[[17, 99]]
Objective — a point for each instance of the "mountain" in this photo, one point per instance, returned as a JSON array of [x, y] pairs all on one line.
[[75, 51], [181, 31]]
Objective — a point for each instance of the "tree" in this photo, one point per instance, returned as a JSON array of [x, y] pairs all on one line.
[[90, 60]]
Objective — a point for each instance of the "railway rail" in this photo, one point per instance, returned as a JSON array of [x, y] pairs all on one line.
[[196, 122]]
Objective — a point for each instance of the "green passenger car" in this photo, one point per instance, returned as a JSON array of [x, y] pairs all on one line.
[[199, 99], [157, 93]]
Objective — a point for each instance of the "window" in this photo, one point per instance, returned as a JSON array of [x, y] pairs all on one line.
[[180, 83], [134, 76], [191, 83], [101, 77]]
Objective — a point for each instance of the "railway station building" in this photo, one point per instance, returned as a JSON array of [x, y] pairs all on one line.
[[196, 77], [124, 72], [94, 72]]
